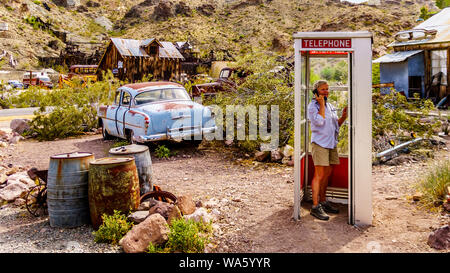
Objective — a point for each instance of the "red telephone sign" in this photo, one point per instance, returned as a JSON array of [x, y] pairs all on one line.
[[326, 43]]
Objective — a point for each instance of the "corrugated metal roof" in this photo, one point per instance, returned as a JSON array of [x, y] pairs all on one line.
[[134, 48], [129, 47], [396, 57], [169, 51], [146, 42], [439, 22]]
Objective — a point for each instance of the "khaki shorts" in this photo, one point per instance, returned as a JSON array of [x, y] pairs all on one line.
[[323, 156]]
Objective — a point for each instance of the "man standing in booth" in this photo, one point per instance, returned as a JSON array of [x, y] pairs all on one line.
[[325, 126]]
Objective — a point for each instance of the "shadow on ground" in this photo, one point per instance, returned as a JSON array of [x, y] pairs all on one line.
[[280, 233]]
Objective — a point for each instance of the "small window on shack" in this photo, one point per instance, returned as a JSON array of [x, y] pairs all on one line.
[[439, 64], [153, 50]]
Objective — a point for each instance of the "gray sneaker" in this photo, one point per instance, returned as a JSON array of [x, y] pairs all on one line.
[[319, 213], [327, 207]]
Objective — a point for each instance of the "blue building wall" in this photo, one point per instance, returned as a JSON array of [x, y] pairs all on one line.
[[397, 73], [416, 67]]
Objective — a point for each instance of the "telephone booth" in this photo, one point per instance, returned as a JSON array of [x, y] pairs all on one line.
[[351, 180]]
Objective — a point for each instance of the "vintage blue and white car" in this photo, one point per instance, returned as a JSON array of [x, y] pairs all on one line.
[[153, 111]]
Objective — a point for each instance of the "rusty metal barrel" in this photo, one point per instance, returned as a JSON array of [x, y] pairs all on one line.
[[113, 185], [67, 189], [143, 163]]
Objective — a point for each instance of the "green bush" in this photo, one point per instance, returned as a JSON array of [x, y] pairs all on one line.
[[162, 152], [434, 184], [120, 143], [389, 115], [260, 88], [62, 122], [185, 236], [74, 111], [114, 227]]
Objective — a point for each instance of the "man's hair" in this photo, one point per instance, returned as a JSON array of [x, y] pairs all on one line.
[[319, 83]]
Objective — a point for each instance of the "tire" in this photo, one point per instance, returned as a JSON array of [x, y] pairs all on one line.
[[130, 135], [105, 134], [196, 143]]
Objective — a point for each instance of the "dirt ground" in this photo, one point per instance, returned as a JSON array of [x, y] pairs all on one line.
[[255, 200]]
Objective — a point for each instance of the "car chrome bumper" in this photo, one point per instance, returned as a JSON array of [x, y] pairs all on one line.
[[178, 134]]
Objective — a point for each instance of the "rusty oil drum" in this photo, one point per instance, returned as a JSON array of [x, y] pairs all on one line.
[[67, 189], [113, 185], [143, 163]]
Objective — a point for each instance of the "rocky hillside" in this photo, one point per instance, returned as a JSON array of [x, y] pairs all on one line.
[[228, 27]]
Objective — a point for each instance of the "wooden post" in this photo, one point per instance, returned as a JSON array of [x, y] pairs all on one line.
[[448, 71], [427, 60]]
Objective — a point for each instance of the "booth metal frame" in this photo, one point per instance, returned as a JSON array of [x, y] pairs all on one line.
[[357, 48]]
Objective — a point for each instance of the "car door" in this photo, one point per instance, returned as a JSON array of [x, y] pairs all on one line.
[[124, 106], [110, 121]]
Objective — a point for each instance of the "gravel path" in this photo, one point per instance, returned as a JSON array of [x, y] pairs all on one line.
[[253, 203]]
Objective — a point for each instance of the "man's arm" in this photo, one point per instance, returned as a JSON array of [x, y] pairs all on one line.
[[314, 115], [343, 117], [320, 99]]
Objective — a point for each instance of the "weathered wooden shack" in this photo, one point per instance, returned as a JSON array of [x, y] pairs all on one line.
[[420, 62], [131, 60]]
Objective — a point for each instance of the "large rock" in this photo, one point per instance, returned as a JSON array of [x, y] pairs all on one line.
[[138, 216], [23, 178], [67, 3], [288, 151], [144, 206], [19, 125], [16, 139], [200, 215], [261, 156], [206, 9], [440, 238], [12, 191], [92, 4], [160, 207], [174, 213], [153, 230], [276, 155], [166, 210], [104, 22], [183, 9], [186, 204], [163, 11]]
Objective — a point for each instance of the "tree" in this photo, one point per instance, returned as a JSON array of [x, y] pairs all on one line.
[[425, 14], [442, 4]]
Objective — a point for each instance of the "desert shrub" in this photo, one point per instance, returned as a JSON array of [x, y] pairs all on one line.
[[32, 20], [389, 115], [258, 88], [442, 4], [434, 184], [120, 143], [162, 152], [113, 228], [186, 236], [74, 109], [62, 122]]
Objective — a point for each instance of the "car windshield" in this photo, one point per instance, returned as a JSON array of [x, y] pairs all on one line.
[[44, 79], [161, 95]]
